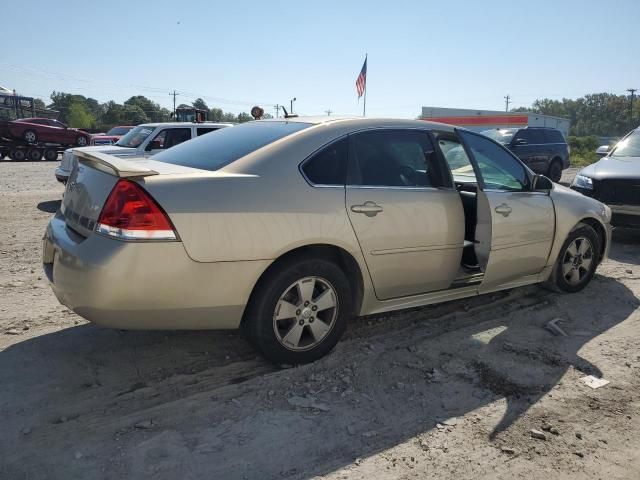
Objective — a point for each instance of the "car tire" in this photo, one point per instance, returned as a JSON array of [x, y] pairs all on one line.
[[30, 136], [34, 154], [555, 171], [571, 273], [17, 155], [81, 141], [50, 155], [299, 311]]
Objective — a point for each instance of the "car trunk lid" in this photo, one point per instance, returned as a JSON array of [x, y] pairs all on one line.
[[89, 185]]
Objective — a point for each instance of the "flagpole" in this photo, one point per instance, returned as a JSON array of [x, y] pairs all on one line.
[[364, 107]]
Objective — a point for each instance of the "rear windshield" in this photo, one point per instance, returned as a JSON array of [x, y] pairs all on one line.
[[220, 148]]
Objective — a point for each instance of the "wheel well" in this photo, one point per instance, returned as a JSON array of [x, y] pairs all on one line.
[[597, 226], [332, 253]]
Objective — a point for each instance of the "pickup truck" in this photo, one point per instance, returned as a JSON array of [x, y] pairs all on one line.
[[142, 141]]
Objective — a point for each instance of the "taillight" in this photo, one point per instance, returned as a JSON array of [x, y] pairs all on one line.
[[130, 213]]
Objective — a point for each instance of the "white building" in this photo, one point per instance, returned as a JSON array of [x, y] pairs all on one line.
[[479, 120]]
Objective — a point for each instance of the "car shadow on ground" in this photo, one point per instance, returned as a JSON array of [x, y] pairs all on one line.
[[219, 410], [626, 246], [50, 206]]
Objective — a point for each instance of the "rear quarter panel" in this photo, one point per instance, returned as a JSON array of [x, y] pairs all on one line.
[[257, 208]]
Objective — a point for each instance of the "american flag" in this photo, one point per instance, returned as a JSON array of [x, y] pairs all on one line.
[[361, 82]]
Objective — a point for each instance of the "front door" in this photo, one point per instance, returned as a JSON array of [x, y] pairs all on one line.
[[167, 138], [515, 225], [406, 215]]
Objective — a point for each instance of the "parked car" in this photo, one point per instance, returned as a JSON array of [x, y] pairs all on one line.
[[46, 130], [142, 141], [287, 228], [544, 150], [112, 136], [615, 180]]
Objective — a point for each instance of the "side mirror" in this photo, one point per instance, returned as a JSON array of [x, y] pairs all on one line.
[[520, 141], [542, 183], [602, 151]]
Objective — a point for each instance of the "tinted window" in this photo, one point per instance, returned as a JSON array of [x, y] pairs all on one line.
[[536, 137], [522, 135], [202, 131], [118, 130], [328, 166], [396, 158], [499, 169], [169, 137], [553, 136], [211, 152]]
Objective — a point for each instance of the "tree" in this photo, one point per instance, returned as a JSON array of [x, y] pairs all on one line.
[[201, 104], [244, 117], [79, 117], [134, 115], [153, 111], [216, 114]]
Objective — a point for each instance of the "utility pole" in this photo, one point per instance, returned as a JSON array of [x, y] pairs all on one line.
[[174, 94], [277, 107], [328, 112], [632, 91], [506, 99]]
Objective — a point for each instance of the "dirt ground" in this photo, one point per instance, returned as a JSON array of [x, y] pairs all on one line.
[[450, 391]]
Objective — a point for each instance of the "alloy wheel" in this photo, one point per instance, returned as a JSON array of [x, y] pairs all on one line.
[[305, 313], [30, 137], [577, 260]]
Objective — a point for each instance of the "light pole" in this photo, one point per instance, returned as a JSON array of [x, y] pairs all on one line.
[[632, 91], [291, 104]]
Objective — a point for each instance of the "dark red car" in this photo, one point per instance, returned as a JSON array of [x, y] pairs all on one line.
[[45, 130], [112, 136]]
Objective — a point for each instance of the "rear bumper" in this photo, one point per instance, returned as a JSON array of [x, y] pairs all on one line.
[[147, 286]]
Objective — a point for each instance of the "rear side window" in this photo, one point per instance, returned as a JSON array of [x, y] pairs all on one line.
[[202, 131], [329, 165], [554, 136], [396, 158], [211, 152], [536, 137]]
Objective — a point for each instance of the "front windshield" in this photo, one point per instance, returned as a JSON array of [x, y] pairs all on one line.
[[629, 146], [119, 131], [135, 137], [502, 136]]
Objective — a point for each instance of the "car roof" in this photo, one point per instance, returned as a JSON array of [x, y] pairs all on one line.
[[364, 122], [34, 118], [186, 124]]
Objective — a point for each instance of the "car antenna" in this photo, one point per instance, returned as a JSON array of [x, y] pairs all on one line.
[[287, 114]]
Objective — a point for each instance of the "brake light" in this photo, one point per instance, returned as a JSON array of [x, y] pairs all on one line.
[[130, 213]]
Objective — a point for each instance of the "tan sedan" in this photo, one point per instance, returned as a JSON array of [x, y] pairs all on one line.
[[288, 228]]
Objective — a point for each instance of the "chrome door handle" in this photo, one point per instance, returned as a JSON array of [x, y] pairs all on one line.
[[370, 209], [503, 209]]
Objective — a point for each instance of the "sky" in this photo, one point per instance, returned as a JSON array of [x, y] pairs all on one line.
[[465, 54]]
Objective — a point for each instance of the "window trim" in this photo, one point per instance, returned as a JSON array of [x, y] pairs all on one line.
[[318, 150], [479, 177], [444, 167]]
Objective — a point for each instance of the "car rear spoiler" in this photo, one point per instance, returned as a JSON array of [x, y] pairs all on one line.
[[118, 166]]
